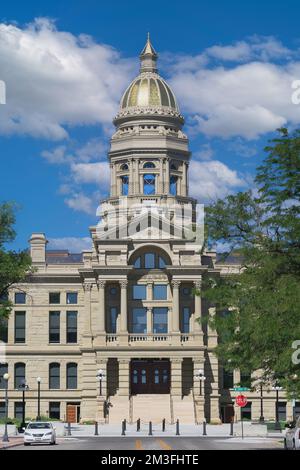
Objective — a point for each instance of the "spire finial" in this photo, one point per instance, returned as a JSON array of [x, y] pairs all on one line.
[[148, 57]]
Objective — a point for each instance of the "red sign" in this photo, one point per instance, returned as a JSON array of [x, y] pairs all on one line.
[[241, 400]]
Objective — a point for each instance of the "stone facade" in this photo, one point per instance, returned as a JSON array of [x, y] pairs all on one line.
[[129, 306]]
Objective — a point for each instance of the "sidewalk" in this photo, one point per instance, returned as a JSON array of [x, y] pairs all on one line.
[[13, 442]]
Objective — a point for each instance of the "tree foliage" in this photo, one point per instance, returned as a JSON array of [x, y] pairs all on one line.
[[259, 309]]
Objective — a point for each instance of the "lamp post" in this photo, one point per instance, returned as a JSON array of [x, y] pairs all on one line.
[[38, 418], [277, 388], [100, 376], [200, 376], [23, 386], [5, 435], [261, 418]]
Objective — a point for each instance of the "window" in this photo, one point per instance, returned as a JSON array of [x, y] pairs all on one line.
[[19, 410], [54, 298], [54, 376], [20, 326], [160, 292], [72, 297], [246, 411], [161, 263], [125, 185], [186, 291], [54, 327], [113, 319], [149, 260], [149, 165], [71, 327], [113, 291], [186, 314], [71, 375], [19, 374], [149, 184], [173, 185], [281, 410], [54, 410], [245, 379], [139, 320], [173, 166], [3, 370], [4, 330], [2, 410], [20, 298], [160, 320], [124, 167], [228, 379], [139, 292], [137, 263]]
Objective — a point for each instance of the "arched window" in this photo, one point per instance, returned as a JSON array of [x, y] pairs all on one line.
[[125, 185], [173, 166], [54, 375], [149, 184], [3, 370], [124, 167], [71, 375], [137, 263], [149, 260], [149, 165], [173, 185], [19, 374]]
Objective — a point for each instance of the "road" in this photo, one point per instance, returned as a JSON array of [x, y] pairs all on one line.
[[157, 443]]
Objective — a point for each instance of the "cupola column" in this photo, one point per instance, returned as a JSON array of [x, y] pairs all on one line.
[[167, 176]]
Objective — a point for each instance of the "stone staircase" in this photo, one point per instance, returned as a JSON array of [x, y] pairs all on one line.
[[119, 409], [183, 409], [151, 408]]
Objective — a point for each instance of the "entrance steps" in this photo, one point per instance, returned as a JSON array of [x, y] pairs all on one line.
[[153, 408], [119, 409], [183, 409]]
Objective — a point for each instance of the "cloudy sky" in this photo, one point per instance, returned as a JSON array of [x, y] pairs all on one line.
[[66, 64]]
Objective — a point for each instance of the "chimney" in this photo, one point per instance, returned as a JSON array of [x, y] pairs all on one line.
[[38, 244]]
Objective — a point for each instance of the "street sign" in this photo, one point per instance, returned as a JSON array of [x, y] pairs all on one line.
[[241, 389], [241, 400]]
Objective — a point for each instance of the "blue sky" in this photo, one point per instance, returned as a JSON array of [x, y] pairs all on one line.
[[66, 64]]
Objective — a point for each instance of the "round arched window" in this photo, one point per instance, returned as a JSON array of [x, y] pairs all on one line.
[[124, 167], [149, 165], [149, 184]]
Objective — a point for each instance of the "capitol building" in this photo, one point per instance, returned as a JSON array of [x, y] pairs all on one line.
[[117, 332]]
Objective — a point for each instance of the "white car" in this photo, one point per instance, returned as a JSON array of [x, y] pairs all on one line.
[[39, 432], [292, 435]]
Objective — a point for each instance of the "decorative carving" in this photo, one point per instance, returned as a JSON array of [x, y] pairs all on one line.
[[198, 284], [87, 286], [101, 283], [123, 283], [176, 284]]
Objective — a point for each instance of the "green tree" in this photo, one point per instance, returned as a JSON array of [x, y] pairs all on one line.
[[258, 309], [14, 265]]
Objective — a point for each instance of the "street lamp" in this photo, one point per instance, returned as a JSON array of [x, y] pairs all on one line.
[[261, 418], [277, 388], [5, 435], [38, 418], [23, 386], [200, 376], [100, 376]]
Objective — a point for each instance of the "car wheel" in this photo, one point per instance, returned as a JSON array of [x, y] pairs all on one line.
[[285, 445], [26, 444], [294, 445]]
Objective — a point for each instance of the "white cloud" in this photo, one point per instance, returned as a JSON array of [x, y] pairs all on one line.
[[205, 153], [93, 149], [91, 173], [56, 80], [72, 244], [212, 179], [81, 203]]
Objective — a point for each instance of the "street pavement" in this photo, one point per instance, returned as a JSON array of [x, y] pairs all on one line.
[[159, 443]]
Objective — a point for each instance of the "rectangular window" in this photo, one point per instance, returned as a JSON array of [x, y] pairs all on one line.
[[113, 319], [54, 327], [160, 320], [228, 379], [282, 410], [54, 298], [54, 376], [245, 379], [20, 327], [71, 327], [246, 411], [2, 409], [20, 298], [4, 330], [54, 410], [19, 410], [186, 314], [139, 292], [160, 292], [71, 375], [3, 370], [149, 260], [72, 298], [20, 372], [139, 320]]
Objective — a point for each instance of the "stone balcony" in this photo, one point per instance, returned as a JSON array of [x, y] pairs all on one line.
[[147, 339]]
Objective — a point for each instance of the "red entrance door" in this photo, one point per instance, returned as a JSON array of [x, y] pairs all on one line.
[[150, 376]]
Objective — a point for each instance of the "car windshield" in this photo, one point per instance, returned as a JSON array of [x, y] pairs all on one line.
[[39, 426]]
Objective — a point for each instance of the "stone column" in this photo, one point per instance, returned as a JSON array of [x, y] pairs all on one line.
[[198, 363], [101, 321], [149, 321], [167, 176], [176, 377], [198, 331], [175, 308], [123, 313], [213, 376], [113, 179], [184, 179], [136, 177], [161, 176], [124, 369], [87, 334], [101, 364], [131, 177]]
